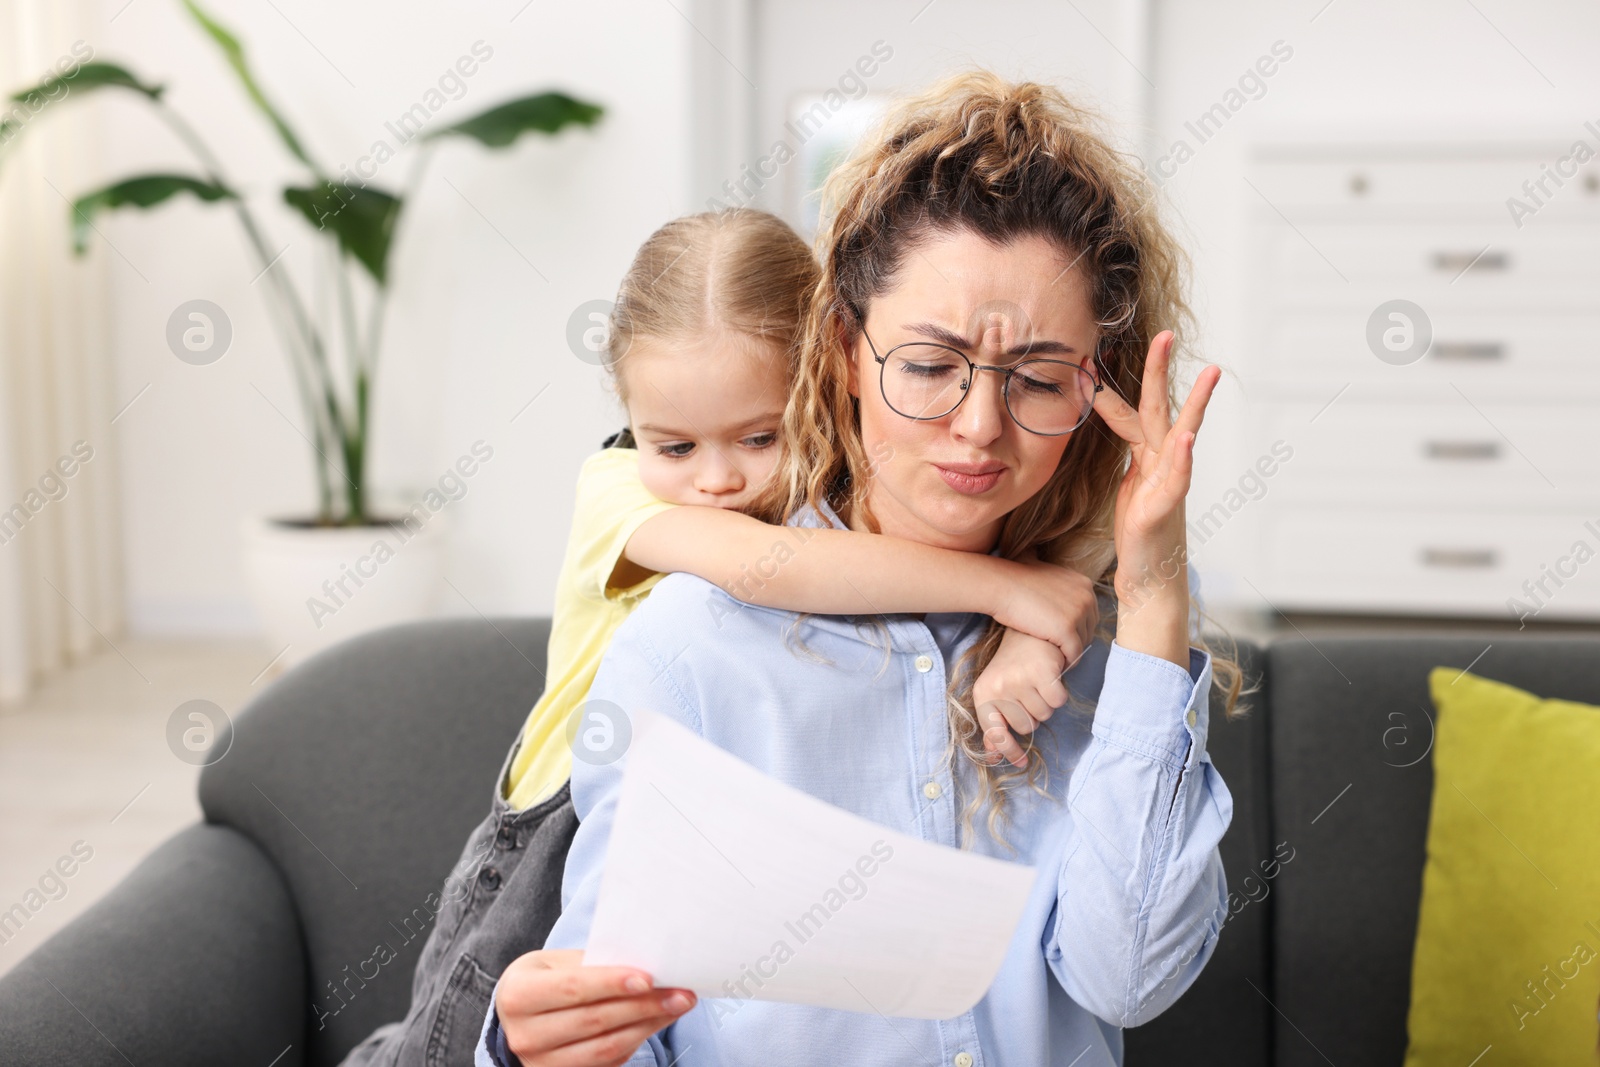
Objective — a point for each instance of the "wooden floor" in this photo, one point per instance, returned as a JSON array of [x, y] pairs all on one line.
[[85, 769]]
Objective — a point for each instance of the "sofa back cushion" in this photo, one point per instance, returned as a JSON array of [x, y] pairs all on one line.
[[361, 773], [1352, 778]]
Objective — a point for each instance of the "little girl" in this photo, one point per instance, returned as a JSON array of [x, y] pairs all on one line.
[[701, 347]]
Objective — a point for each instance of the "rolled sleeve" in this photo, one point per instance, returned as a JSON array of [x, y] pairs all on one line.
[[1143, 875], [1155, 708], [492, 1050]]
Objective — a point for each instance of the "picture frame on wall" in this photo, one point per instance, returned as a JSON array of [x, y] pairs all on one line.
[[824, 128]]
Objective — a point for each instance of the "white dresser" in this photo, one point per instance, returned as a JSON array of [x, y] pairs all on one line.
[[1452, 482]]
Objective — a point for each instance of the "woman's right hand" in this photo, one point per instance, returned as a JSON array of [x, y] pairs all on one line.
[[556, 1012], [1054, 604]]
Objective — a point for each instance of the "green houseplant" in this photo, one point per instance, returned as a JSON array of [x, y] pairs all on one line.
[[333, 374], [306, 569]]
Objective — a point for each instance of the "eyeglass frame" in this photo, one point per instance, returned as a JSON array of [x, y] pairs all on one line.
[[972, 376]]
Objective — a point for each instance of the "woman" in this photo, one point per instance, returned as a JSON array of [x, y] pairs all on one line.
[[993, 283]]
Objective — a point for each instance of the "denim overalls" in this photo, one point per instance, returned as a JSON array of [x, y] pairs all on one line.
[[499, 901]]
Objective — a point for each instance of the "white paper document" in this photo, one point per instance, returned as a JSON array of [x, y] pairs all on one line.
[[722, 880]]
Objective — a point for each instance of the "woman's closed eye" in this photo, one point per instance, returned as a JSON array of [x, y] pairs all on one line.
[[927, 369], [1040, 385]]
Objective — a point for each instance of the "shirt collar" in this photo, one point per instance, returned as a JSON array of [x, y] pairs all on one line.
[[950, 630]]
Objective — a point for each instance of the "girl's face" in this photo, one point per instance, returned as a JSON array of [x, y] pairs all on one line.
[[705, 415], [951, 481]]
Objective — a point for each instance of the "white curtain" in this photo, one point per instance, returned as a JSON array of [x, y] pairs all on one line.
[[60, 580]]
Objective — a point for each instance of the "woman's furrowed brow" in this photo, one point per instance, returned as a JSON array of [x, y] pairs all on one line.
[[935, 332]]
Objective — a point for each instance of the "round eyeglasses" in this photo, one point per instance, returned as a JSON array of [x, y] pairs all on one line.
[[922, 380]]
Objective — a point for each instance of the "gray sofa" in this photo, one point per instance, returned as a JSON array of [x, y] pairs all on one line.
[[352, 783]]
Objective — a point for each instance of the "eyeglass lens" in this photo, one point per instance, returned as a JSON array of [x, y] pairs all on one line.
[[924, 381]]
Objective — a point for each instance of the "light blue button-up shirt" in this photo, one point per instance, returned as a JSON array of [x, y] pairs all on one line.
[[1130, 894]]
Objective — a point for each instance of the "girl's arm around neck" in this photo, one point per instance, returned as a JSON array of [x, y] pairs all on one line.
[[826, 571], [843, 572]]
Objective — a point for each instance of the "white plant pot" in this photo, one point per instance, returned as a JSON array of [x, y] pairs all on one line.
[[315, 586]]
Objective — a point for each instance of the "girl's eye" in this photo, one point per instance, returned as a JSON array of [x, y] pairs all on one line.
[[676, 450], [761, 440]]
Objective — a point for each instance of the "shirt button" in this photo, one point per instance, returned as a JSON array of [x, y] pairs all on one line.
[[1190, 717], [924, 664], [963, 1059], [932, 791]]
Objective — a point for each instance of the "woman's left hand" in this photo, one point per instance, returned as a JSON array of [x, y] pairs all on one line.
[[1149, 531]]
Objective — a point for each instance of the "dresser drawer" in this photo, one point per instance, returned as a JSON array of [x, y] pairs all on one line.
[[1531, 354], [1350, 179], [1465, 562], [1361, 450], [1470, 261], [1468, 476]]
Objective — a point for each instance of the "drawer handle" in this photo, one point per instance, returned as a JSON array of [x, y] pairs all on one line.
[[1468, 350], [1460, 558], [1459, 262], [1462, 450]]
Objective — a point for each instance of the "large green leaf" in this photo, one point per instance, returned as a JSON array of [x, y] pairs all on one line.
[[59, 87], [88, 76], [361, 217], [542, 113], [145, 191], [233, 51]]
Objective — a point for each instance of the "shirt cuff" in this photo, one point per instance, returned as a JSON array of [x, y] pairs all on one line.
[[492, 1050], [1154, 707]]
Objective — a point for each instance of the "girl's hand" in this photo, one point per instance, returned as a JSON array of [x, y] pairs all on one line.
[[555, 1012], [1152, 551], [1020, 688], [1054, 604]]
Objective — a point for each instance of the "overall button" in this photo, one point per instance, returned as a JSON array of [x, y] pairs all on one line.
[[505, 838], [932, 791], [489, 878], [963, 1059], [924, 664]]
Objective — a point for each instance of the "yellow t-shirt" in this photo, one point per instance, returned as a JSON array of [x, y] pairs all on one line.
[[612, 503]]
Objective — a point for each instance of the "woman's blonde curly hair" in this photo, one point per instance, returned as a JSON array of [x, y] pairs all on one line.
[[1003, 160]]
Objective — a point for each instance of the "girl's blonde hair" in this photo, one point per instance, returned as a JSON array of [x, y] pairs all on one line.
[[1003, 160], [737, 271]]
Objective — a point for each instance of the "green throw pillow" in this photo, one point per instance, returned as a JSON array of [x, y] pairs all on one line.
[[1507, 962]]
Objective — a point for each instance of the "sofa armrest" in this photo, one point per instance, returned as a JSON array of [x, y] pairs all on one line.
[[194, 958]]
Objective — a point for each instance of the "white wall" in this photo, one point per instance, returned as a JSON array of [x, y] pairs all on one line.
[[474, 331]]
